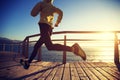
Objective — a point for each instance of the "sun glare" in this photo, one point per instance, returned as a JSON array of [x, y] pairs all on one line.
[[105, 36]]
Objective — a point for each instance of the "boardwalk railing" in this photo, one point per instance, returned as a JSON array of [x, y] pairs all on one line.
[[25, 44], [11, 47]]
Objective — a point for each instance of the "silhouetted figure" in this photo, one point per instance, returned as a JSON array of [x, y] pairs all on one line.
[[47, 11]]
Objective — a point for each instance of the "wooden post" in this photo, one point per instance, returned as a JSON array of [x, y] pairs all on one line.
[[27, 48], [18, 47], [116, 50], [23, 48], [12, 48], [39, 54], [3, 47], [64, 52]]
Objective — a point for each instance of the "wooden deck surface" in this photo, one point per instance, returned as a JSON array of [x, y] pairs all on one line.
[[11, 70]]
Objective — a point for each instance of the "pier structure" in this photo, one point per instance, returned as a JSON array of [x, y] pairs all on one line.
[[10, 68]]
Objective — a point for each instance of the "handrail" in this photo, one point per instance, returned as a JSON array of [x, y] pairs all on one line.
[[68, 32], [116, 50]]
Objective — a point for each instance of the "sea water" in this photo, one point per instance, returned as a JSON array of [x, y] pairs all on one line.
[[101, 51]]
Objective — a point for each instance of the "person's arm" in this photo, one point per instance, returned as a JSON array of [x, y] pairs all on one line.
[[36, 9], [59, 18]]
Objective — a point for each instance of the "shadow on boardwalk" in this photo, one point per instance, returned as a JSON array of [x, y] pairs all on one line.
[[12, 70], [38, 72]]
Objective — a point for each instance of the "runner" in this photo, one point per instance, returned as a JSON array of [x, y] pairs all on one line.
[[47, 10]]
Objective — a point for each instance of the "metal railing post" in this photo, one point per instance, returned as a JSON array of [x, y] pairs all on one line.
[[116, 50], [64, 52]]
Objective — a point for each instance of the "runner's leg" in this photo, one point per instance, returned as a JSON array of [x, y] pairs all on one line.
[[50, 45]]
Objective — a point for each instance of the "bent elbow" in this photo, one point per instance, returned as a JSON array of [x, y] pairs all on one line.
[[60, 13], [33, 15]]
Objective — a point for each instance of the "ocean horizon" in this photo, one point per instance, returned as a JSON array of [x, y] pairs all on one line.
[[97, 51]]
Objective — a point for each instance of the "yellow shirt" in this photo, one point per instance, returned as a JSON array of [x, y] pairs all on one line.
[[46, 11]]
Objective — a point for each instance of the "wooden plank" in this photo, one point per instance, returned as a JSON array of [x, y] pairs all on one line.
[[114, 69], [112, 73], [52, 74], [103, 72], [8, 64], [59, 73], [97, 73], [47, 72], [19, 72], [74, 73], [43, 68], [31, 72], [81, 72], [112, 66], [66, 75], [91, 75], [108, 76], [10, 69], [101, 64]]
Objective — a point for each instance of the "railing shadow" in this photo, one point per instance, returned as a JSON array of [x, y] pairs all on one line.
[[37, 72]]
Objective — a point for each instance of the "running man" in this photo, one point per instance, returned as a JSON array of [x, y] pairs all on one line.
[[46, 10]]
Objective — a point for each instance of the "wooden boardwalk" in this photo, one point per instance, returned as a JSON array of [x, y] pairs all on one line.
[[11, 70]]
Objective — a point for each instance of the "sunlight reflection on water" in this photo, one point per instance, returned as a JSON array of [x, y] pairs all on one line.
[[95, 51]]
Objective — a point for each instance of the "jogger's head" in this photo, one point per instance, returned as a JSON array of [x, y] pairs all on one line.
[[48, 1]]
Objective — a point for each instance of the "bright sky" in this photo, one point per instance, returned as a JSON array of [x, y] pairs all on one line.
[[79, 15]]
